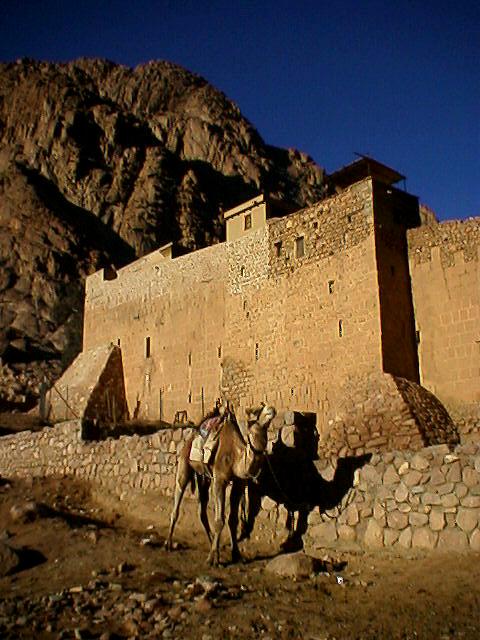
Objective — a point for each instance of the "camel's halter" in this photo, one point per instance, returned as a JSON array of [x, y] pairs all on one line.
[[257, 452]]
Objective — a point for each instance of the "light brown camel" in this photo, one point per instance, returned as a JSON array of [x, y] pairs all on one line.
[[236, 460]]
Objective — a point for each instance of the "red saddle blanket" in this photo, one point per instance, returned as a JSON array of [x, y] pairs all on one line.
[[209, 425]]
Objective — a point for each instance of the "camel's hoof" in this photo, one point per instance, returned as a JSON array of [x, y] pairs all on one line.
[[237, 557], [170, 546]]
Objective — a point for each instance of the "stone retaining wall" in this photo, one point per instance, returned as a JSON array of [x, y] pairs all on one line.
[[129, 462], [427, 499]]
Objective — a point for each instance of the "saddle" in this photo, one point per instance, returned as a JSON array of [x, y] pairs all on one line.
[[205, 443]]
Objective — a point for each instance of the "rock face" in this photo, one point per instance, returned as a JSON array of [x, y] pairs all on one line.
[[99, 164]]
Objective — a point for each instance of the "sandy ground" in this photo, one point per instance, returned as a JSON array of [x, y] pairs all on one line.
[[86, 572]]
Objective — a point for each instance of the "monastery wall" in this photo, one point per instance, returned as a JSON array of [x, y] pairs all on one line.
[[295, 330], [168, 318], [281, 314], [284, 313], [444, 265]]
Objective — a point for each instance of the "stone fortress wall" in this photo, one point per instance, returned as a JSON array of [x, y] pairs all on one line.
[[445, 271], [167, 316], [422, 500], [284, 313], [287, 311]]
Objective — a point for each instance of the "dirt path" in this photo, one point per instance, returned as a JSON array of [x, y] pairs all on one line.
[[86, 574]]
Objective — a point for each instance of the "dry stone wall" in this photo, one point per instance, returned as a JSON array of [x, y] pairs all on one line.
[[129, 463], [427, 499]]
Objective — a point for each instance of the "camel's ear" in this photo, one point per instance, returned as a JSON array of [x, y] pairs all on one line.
[[252, 414]]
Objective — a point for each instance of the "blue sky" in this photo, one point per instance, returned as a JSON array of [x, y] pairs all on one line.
[[396, 80]]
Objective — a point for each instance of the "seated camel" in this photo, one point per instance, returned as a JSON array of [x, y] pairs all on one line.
[[289, 477], [236, 460]]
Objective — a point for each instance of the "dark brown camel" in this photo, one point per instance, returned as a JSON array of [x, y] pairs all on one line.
[[236, 460], [289, 477]]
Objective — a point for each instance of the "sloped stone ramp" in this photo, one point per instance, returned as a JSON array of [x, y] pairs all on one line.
[[92, 389]]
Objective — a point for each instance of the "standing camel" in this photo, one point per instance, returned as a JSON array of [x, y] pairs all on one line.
[[237, 459]]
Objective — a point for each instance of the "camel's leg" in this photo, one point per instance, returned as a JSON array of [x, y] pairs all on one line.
[[254, 501], [219, 490], [203, 486], [182, 478], [235, 497], [294, 540]]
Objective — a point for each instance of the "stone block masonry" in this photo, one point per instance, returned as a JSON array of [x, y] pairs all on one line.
[[291, 307], [92, 389], [445, 270], [425, 499]]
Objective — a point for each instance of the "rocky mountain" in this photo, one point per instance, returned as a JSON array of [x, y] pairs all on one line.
[[100, 164]]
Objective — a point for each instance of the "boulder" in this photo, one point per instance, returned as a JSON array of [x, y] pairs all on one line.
[[293, 565], [8, 559]]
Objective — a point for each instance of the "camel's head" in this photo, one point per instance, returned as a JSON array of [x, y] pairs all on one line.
[[261, 415]]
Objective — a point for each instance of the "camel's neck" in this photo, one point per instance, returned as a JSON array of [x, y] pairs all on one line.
[[250, 462]]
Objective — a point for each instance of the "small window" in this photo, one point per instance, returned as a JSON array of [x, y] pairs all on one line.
[[147, 347], [219, 351], [244, 305], [257, 351], [278, 248], [340, 328], [190, 398], [118, 342], [247, 221], [331, 286], [190, 359], [300, 247]]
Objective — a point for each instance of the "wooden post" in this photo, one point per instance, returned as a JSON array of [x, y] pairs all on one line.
[[43, 401]]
